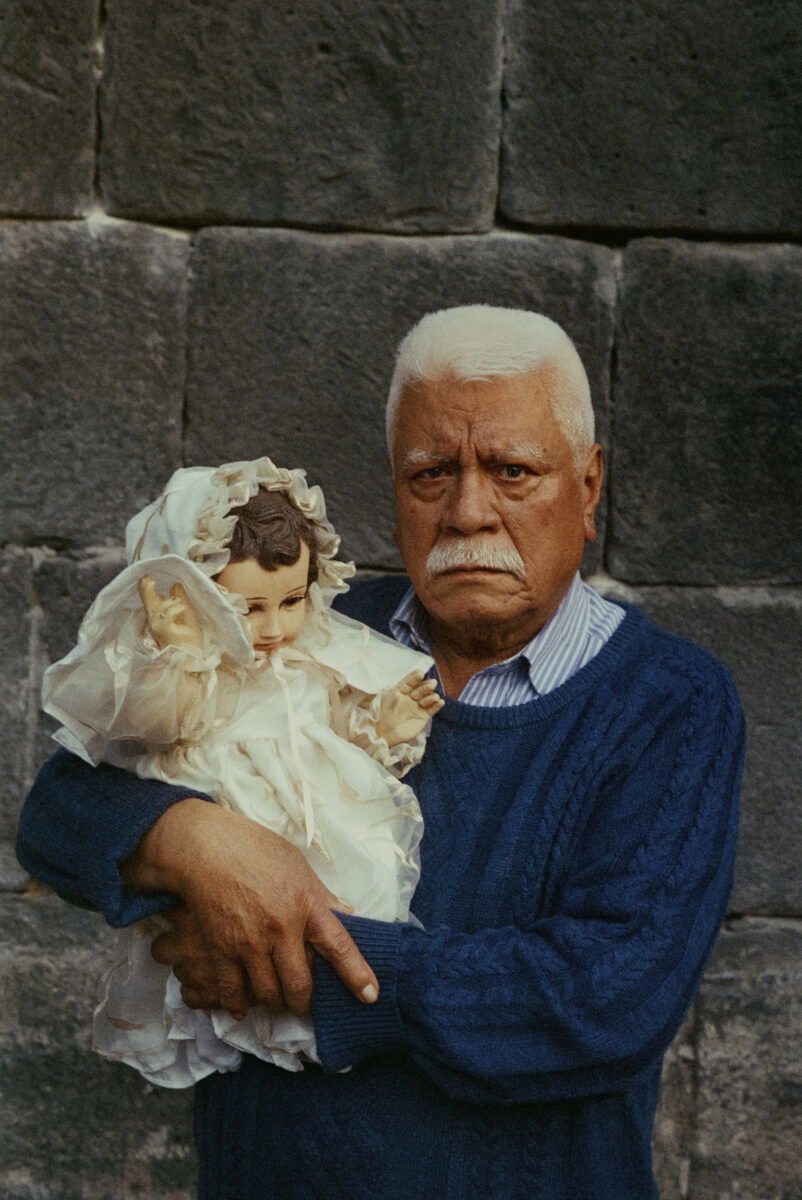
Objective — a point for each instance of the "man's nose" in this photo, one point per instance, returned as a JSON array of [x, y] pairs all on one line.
[[470, 507]]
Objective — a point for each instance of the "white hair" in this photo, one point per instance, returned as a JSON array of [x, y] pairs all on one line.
[[478, 342]]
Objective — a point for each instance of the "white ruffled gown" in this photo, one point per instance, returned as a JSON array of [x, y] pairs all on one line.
[[287, 741]]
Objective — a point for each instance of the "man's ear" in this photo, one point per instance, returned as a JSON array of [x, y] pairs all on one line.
[[592, 478]]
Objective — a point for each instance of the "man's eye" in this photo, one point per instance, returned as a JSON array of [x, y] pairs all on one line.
[[430, 473], [512, 470]]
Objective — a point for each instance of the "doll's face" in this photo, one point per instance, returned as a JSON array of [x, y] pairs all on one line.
[[276, 599]]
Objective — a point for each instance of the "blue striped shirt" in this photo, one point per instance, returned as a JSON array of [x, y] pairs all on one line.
[[570, 638]]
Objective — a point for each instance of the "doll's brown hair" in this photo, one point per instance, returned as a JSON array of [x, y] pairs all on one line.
[[271, 529]]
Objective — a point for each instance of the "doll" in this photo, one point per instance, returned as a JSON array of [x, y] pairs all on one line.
[[214, 661]]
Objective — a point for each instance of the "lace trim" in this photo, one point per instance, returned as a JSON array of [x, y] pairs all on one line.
[[217, 491]]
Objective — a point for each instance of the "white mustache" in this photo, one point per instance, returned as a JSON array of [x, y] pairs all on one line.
[[466, 552]]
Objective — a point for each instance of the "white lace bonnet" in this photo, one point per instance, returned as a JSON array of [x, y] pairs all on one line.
[[192, 519]]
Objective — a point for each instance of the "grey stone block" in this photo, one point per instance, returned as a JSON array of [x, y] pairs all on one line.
[[707, 448], [47, 107], [672, 1142], [757, 633], [73, 1124], [91, 375], [293, 337], [315, 113], [12, 876], [670, 117], [16, 604], [750, 1068]]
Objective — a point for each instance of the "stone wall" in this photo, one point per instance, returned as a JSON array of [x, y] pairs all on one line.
[[217, 221]]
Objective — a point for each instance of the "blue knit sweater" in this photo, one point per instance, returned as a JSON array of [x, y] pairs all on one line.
[[575, 868]]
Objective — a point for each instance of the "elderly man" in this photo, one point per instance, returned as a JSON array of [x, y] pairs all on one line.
[[579, 791]]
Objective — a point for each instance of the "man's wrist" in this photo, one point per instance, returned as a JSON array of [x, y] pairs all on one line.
[[158, 864], [346, 1031]]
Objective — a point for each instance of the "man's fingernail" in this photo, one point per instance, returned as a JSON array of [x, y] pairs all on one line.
[[370, 994]]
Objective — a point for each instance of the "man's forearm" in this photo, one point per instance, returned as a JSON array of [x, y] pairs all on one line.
[[80, 822], [132, 847]]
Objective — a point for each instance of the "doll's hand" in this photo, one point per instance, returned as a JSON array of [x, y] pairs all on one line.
[[171, 619], [408, 708]]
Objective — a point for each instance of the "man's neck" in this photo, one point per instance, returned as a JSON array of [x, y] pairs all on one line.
[[460, 653]]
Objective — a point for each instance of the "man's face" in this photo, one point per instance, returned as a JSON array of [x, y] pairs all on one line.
[[483, 471]]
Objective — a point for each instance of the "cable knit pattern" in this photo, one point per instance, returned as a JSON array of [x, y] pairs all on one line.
[[576, 863], [575, 868]]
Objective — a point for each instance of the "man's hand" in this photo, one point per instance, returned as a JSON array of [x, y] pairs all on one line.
[[252, 906], [408, 708]]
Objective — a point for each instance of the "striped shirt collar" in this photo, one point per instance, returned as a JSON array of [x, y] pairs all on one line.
[[573, 635]]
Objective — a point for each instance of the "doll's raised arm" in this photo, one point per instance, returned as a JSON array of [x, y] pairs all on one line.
[[171, 619], [145, 672], [175, 703], [390, 726]]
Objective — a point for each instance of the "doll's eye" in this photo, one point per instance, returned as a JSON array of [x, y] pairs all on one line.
[[293, 601]]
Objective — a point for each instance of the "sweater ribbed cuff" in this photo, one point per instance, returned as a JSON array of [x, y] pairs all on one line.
[[346, 1030], [127, 818]]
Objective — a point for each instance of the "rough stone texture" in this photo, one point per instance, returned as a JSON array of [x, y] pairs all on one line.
[[757, 633], [382, 116], [16, 601], [91, 375], [672, 1142], [706, 462], [12, 876], [655, 116], [750, 1078], [279, 113], [293, 336], [47, 107], [74, 1126], [65, 589]]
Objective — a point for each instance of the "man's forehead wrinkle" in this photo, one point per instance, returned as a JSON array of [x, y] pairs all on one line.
[[458, 429], [518, 450], [492, 454]]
